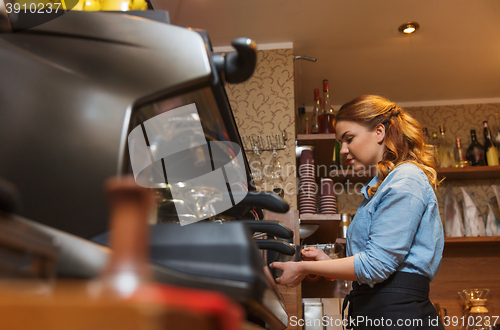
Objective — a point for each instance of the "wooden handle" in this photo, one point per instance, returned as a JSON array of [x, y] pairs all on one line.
[[130, 207]]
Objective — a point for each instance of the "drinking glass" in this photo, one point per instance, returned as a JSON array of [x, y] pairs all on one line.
[[256, 165], [276, 171]]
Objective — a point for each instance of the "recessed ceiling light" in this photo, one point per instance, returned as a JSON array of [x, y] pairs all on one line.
[[409, 27]]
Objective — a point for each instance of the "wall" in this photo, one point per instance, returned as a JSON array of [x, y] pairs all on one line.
[[458, 121], [264, 105]]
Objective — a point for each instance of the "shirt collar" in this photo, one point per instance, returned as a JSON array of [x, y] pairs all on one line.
[[365, 188]]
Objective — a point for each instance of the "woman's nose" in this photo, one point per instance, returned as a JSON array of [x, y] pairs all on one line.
[[344, 150]]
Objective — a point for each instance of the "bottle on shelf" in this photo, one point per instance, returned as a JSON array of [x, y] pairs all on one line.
[[332, 119], [336, 159], [326, 120], [475, 151], [307, 127], [427, 137], [497, 122], [434, 138], [460, 159], [317, 106], [491, 151], [445, 149], [435, 147]]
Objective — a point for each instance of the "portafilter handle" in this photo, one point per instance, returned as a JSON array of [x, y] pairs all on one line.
[[263, 199], [276, 245], [275, 228]]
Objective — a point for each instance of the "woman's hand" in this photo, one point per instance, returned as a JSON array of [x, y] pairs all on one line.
[[312, 254], [292, 273]]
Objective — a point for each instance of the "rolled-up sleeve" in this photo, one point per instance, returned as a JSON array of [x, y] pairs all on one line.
[[395, 221]]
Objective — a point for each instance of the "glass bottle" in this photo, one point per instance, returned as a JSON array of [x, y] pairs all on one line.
[[336, 161], [307, 127], [326, 120], [475, 151], [317, 106], [427, 137], [435, 147], [332, 119], [446, 153], [497, 136], [460, 159], [491, 151]]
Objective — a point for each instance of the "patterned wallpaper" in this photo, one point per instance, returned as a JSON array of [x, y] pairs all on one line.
[[264, 105], [458, 121]]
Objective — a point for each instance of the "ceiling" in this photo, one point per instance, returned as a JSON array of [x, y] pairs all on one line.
[[454, 57]]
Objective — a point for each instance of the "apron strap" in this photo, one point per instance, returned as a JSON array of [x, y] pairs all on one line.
[[346, 301]]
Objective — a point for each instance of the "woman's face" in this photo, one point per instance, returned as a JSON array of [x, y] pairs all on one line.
[[360, 147]]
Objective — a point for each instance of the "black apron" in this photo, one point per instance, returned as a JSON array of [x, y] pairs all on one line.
[[400, 302]]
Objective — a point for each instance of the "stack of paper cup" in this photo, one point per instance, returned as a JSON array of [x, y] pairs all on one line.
[[307, 187], [328, 200]]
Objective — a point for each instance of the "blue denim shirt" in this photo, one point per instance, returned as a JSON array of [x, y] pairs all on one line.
[[397, 229]]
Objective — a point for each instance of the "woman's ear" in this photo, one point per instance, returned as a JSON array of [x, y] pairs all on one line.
[[380, 133]]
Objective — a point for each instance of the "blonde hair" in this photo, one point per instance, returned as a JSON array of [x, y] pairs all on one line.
[[404, 140]]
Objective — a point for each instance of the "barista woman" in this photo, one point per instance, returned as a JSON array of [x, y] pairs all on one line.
[[395, 241]]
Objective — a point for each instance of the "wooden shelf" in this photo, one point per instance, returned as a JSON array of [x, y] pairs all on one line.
[[319, 217], [473, 247], [466, 173], [307, 138], [470, 173], [451, 240], [481, 239], [328, 227]]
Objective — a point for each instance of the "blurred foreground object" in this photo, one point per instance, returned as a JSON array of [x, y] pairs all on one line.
[[123, 296], [68, 306], [25, 252], [127, 268]]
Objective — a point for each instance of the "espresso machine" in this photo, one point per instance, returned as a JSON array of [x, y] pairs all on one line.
[[73, 91]]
